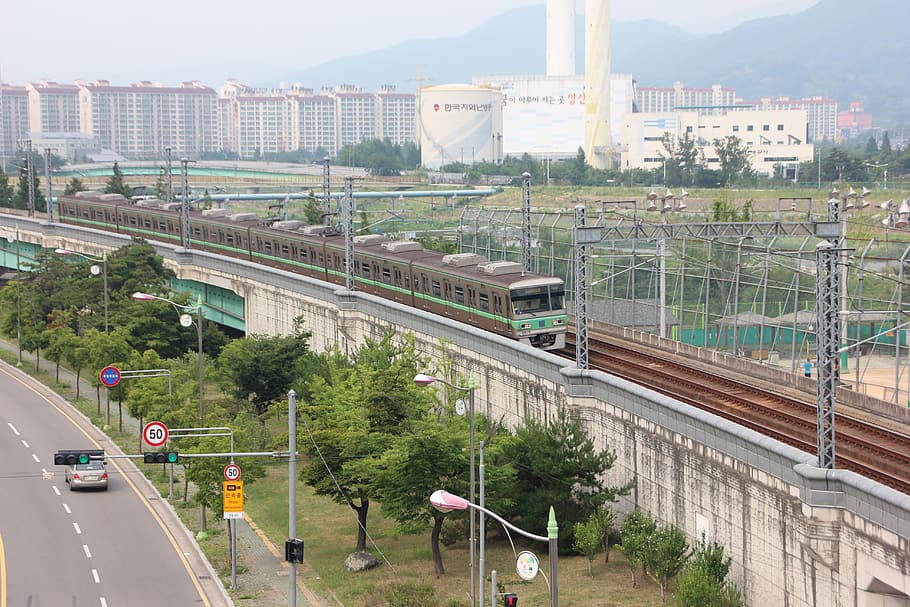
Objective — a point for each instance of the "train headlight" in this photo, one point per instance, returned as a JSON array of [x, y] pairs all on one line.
[[524, 325]]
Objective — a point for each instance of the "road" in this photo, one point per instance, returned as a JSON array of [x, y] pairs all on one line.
[[122, 547]]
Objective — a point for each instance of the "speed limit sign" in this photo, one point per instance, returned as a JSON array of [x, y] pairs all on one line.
[[232, 472], [155, 434]]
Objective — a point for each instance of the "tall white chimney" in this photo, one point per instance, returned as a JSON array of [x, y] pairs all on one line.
[[598, 144], [560, 37]]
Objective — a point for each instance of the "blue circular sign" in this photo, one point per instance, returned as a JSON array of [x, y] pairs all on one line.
[[110, 376]]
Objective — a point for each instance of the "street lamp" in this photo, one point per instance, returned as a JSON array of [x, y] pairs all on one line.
[[95, 270], [425, 380], [185, 321], [446, 502]]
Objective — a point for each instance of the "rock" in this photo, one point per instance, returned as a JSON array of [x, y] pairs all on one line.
[[360, 561]]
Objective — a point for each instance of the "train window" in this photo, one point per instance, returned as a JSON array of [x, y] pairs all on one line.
[[472, 297], [497, 303], [266, 247], [529, 300], [285, 250], [459, 295], [448, 289], [147, 223], [229, 238], [484, 301], [437, 289], [386, 276], [365, 269], [397, 277]]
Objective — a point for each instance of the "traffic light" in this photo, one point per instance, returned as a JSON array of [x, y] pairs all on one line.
[[293, 550], [510, 600], [161, 457], [71, 457]]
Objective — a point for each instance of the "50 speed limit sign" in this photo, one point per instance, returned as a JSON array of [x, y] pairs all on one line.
[[232, 472], [155, 434]]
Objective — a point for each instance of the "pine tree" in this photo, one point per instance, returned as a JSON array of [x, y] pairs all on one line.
[[116, 185]]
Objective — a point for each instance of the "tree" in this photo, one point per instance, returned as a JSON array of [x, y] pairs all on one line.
[[734, 160], [74, 185], [261, 368], [703, 583], [665, 554], [885, 148], [115, 184], [592, 535], [6, 191], [635, 533], [680, 157], [559, 466]]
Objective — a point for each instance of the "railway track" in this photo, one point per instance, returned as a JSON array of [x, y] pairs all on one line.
[[874, 451]]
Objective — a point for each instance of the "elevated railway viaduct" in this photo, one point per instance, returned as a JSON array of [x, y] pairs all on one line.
[[799, 536]]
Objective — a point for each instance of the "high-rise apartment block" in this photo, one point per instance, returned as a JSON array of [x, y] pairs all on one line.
[[143, 120]]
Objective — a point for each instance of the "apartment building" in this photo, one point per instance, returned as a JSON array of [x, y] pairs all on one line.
[[143, 120], [53, 107], [396, 116], [13, 120], [773, 137], [355, 115], [713, 100]]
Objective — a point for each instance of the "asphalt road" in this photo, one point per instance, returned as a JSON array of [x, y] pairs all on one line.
[[122, 547]]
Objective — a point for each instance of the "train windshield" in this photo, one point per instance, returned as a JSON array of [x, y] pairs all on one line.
[[530, 300]]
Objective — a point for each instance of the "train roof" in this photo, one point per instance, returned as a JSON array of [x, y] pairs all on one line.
[[472, 266]]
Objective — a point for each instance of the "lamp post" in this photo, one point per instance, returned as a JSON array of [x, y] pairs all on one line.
[[425, 380], [95, 270], [185, 321], [446, 502]]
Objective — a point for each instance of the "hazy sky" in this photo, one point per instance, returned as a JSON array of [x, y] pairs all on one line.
[[169, 40]]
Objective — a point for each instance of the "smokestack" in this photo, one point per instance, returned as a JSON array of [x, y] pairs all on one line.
[[560, 37], [598, 144]]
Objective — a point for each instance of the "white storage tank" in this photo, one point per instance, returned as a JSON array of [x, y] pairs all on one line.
[[459, 123]]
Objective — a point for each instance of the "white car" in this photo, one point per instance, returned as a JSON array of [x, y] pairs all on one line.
[[87, 476]]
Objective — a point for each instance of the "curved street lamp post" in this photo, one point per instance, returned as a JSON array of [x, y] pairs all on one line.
[[446, 502], [95, 271], [185, 320]]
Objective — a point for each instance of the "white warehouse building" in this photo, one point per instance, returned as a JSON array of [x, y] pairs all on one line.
[[773, 137], [459, 123]]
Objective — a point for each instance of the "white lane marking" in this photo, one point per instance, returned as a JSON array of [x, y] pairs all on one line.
[[103, 602], [67, 508], [95, 575], [57, 491], [13, 428], [24, 443], [76, 527], [88, 553], [35, 457]]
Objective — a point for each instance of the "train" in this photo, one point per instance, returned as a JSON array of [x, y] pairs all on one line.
[[497, 296]]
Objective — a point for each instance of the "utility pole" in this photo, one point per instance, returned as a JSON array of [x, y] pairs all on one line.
[[47, 184], [169, 195], [30, 177]]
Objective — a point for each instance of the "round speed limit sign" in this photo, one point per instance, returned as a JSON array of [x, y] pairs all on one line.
[[155, 434], [232, 472]]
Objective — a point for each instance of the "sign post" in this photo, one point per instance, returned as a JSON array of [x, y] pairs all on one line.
[[232, 494]]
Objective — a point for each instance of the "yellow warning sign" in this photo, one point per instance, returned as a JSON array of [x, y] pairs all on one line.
[[232, 492]]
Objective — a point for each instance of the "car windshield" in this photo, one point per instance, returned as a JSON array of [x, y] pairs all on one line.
[[90, 466]]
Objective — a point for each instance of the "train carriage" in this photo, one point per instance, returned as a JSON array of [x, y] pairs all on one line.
[[497, 296]]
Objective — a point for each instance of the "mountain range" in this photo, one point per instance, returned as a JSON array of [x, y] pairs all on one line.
[[844, 49]]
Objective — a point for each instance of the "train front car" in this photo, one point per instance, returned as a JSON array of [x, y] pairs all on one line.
[[538, 311]]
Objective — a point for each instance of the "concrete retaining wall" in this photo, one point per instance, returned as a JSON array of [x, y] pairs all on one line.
[[799, 536]]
